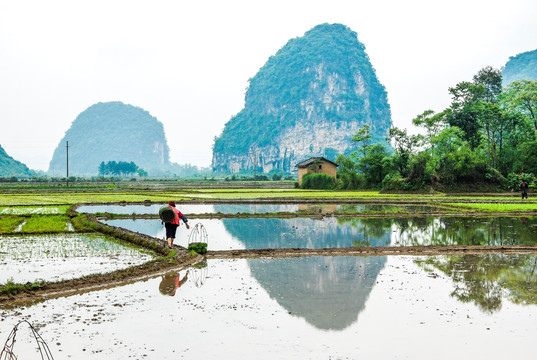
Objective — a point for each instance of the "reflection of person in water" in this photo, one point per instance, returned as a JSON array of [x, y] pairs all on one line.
[[171, 282]]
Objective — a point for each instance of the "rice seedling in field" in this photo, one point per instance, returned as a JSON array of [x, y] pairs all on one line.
[[30, 210], [9, 223], [64, 246], [46, 224], [497, 207], [12, 288]]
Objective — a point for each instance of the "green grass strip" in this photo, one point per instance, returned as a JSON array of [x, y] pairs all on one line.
[[46, 224], [8, 224], [497, 207]]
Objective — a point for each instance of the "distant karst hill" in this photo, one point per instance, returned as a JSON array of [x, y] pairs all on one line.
[[307, 100], [112, 131], [11, 167], [520, 67]]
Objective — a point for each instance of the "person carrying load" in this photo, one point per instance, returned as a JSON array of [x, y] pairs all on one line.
[[170, 216], [524, 189]]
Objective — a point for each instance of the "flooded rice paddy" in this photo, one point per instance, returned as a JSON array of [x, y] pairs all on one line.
[[398, 307], [316, 307], [62, 256], [332, 232], [257, 208]]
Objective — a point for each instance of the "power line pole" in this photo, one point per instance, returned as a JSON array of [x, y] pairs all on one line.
[[67, 148]]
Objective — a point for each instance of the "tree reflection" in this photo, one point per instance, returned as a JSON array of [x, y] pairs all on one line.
[[486, 279], [446, 231]]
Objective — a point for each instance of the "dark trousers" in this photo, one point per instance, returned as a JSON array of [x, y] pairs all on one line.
[[171, 229]]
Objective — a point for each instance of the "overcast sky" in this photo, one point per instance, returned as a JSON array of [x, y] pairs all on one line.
[[188, 62]]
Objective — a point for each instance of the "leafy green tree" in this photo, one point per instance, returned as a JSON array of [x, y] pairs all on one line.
[[347, 173], [433, 123], [464, 113], [364, 137], [376, 164], [405, 146], [521, 95], [491, 79]]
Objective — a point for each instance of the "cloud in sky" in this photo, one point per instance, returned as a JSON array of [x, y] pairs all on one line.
[[188, 63]]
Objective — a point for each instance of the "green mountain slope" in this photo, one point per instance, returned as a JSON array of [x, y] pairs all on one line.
[[12, 167], [307, 100], [519, 67], [112, 131]]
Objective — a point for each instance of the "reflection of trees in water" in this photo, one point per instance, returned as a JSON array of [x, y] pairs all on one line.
[[373, 231], [445, 231], [486, 279], [328, 292]]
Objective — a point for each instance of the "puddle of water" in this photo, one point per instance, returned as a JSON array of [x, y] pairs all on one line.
[[331, 232], [316, 308], [57, 257]]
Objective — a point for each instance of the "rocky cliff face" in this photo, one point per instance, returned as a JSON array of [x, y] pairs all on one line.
[[308, 100], [112, 131]]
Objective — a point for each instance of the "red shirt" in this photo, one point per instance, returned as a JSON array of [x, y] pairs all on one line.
[[178, 214]]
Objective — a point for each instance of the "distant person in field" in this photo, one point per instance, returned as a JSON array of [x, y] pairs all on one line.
[[171, 227], [524, 189]]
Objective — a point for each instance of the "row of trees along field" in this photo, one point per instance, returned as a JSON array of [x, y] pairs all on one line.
[[120, 168], [487, 137]]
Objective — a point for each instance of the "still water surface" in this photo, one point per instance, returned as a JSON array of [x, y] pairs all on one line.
[[257, 208], [441, 307], [335, 232]]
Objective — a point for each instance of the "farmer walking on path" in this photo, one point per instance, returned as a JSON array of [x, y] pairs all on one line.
[[524, 189], [171, 227]]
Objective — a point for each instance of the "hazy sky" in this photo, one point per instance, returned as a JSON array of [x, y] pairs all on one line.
[[188, 62]]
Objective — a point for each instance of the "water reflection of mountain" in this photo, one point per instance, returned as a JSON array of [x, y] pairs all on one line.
[[302, 233], [328, 292]]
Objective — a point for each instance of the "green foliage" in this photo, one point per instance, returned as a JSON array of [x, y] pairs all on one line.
[[9, 223], [318, 181], [46, 224], [13, 289], [121, 168], [347, 173], [514, 180], [199, 247], [522, 96]]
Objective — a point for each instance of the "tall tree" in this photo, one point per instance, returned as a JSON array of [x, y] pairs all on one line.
[[521, 95], [491, 79]]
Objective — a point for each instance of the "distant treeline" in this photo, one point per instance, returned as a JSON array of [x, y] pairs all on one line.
[[121, 168]]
